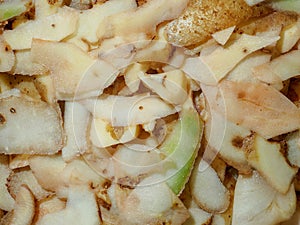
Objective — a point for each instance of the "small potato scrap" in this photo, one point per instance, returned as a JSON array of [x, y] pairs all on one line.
[[20, 126], [170, 86], [267, 159], [279, 69], [25, 66], [7, 57], [55, 27], [207, 189], [76, 120]]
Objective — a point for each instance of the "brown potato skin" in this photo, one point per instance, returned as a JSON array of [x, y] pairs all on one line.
[[203, 18]]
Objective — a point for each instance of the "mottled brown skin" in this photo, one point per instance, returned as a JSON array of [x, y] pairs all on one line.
[[203, 18], [258, 25]]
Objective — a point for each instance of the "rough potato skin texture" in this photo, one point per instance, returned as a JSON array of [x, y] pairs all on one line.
[[205, 17]]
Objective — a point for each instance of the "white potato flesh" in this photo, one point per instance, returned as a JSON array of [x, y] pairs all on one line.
[[255, 106], [279, 69], [170, 86], [7, 202], [158, 50], [29, 127], [54, 27], [223, 36], [227, 139], [49, 205], [207, 189], [25, 66], [267, 159], [76, 121], [289, 37], [295, 218], [43, 8], [44, 85], [256, 202], [78, 172], [102, 134], [100, 160], [143, 20], [74, 72], [218, 220], [133, 163], [253, 2], [7, 56], [150, 204], [81, 208], [198, 217], [216, 65], [132, 76], [24, 208], [244, 70], [50, 167], [90, 20], [128, 111], [293, 151]]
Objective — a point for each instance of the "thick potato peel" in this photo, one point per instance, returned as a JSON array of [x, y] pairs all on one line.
[[31, 137]]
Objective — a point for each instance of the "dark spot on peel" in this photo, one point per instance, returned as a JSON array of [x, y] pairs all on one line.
[[141, 107], [241, 94], [2, 119], [237, 142], [12, 110]]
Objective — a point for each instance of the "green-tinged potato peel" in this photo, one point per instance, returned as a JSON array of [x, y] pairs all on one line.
[[182, 145], [11, 9], [286, 5]]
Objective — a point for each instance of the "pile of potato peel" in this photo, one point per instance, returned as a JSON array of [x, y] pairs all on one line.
[[149, 112]]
